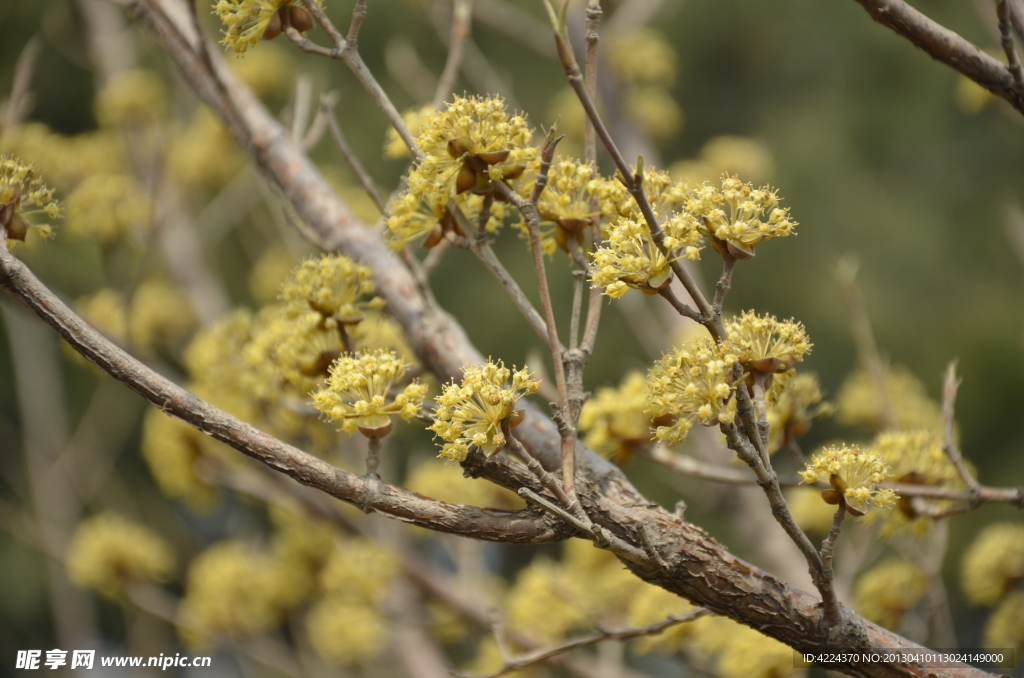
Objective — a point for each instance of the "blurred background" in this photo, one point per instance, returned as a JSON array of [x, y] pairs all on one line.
[[890, 162]]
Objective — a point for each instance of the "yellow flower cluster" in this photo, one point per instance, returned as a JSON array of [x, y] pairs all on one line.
[[413, 216], [615, 420], [65, 161], [107, 207], [157, 314], [1005, 628], [175, 452], [852, 473], [108, 551], [646, 63], [21, 188], [346, 626], [469, 145], [302, 546], [888, 591], [664, 194], [471, 413], [565, 202], [859, 401], [334, 286], [692, 383], [792, 408], [765, 344], [726, 155], [915, 456], [246, 22], [630, 258], [993, 563], [358, 393], [651, 605], [414, 119], [546, 602], [134, 97], [753, 215], [202, 154], [232, 593]]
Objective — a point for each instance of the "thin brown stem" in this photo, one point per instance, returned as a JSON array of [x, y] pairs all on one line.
[[689, 466], [681, 307], [950, 385], [365, 180], [577, 302], [832, 608], [603, 635], [373, 457], [358, 16], [462, 13], [1009, 48], [483, 251], [946, 46], [724, 282]]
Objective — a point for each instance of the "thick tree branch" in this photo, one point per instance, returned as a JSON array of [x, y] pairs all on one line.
[[947, 46], [367, 493]]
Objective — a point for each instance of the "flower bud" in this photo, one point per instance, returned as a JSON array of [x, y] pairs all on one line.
[[300, 18]]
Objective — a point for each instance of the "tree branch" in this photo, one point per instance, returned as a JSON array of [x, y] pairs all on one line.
[[946, 46]]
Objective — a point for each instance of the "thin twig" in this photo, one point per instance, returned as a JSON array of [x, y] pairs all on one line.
[[946, 46], [689, 466], [327, 104], [1006, 38], [725, 281], [681, 307], [603, 635], [462, 12], [832, 611], [483, 251], [578, 277], [950, 385]]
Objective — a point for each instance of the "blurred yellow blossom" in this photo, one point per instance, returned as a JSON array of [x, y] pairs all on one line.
[[732, 155], [132, 97], [615, 420], [108, 207], [360, 570], [345, 632], [642, 55], [108, 551], [860, 402], [1005, 628], [888, 591], [993, 563], [797, 401]]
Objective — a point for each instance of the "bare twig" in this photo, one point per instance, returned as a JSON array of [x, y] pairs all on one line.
[[482, 249], [19, 102], [309, 470], [864, 337], [828, 547], [462, 12], [946, 46], [603, 635], [1006, 38], [327, 104], [687, 465], [950, 385]]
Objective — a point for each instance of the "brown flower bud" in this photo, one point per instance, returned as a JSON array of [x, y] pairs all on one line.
[[300, 18], [274, 26]]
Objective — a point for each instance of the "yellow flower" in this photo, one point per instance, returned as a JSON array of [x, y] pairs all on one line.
[[358, 394], [653, 604], [473, 142], [334, 286], [692, 383], [131, 98], [753, 215], [414, 216], [107, 207], [859, 401], [471, 413], [232, 593], [854, 473], [795, 400], [108, 551], [174, 451], [614, 420], [546, 602], [630, 258], [246, 22], [726, 155], [565, 202], [414, 119], [655, 110], [202, 154], [642, 55], [1005, 628], [21, 187], [345, 632], [888, 591], [359, 570], [766, 344], [993, 563], [663, 193], [750, 654]]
